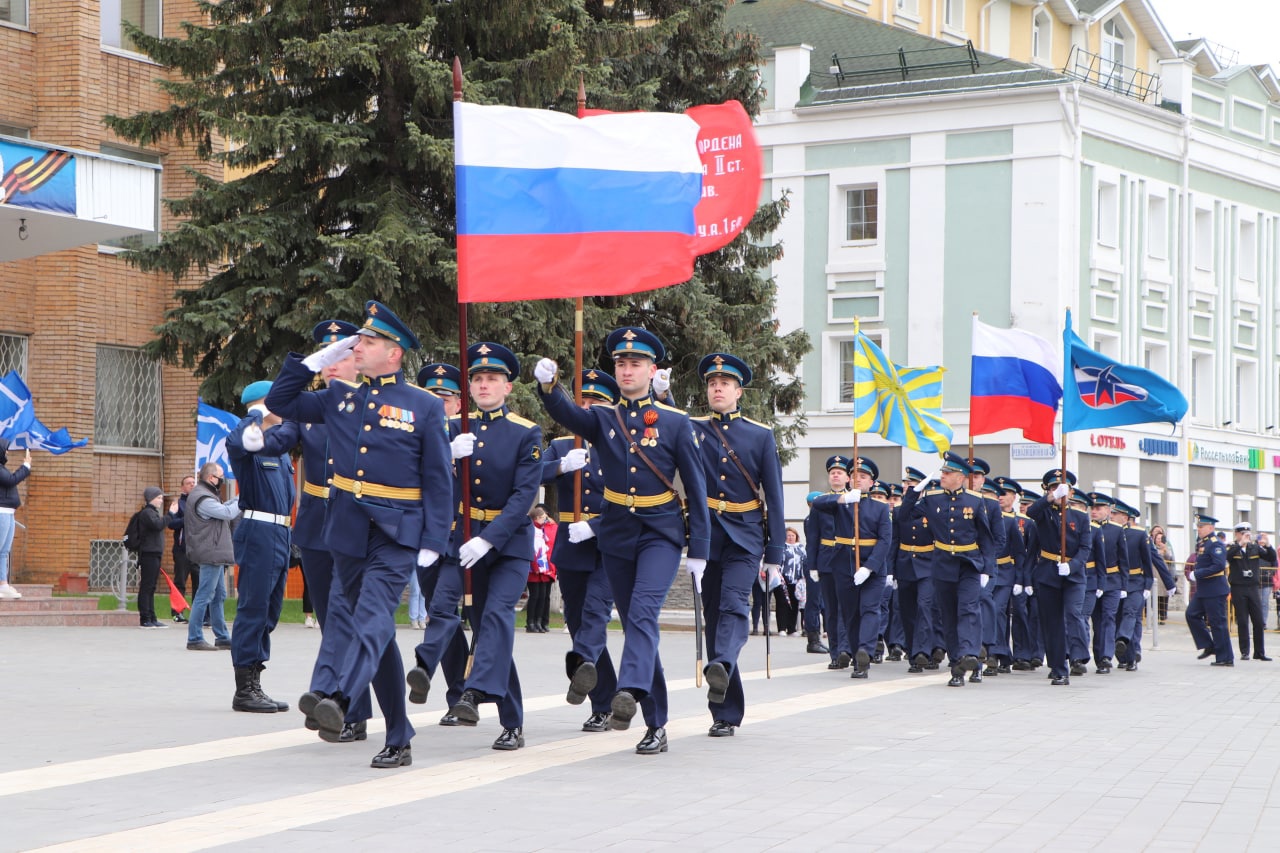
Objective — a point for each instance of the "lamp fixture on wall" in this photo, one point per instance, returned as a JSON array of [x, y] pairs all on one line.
[[22, 229]]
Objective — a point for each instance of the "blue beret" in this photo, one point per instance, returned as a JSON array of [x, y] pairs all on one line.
[[255, 391], [838, 461], [380, 321], [723, 364], [598, 384], [440, 378], [1053, 477], [635, 341], [328, 331], [488, 357]]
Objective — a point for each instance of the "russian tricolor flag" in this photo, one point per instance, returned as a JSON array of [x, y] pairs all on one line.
[[550, 205], [1016, 383]]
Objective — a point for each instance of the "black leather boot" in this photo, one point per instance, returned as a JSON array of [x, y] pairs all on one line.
[[248, 697], [815, 646]]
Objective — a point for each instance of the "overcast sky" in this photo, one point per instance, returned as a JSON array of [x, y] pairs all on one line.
[[1251, 27]]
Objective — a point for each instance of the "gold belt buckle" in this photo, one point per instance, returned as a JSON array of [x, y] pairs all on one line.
[[357, 488], [631, 500], [720, 506]]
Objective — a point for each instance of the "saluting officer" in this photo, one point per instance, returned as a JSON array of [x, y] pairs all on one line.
[[584, 584], [1140, 577], [1059, 577], [640, 444], [824, 555], [1111, 565], [859, 579], [259, 452], [506, 470], [1210, 601], [1008, 564], [744, 493], [963, 543], [336, 628], [913, 573], [390, 508]]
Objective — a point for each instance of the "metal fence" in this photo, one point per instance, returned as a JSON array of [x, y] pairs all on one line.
[[106, 556]]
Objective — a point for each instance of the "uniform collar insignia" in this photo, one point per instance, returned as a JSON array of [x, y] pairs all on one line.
[[727, 416], [636, 404], [490, 416]]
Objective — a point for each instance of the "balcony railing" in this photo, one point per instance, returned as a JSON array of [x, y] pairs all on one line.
[[1121, 79]]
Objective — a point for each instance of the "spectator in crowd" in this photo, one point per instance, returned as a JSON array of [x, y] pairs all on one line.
[[1243, 574], [417, 603], [1160, 543], [182, 567], [787, 604], [152, 548], [9, 501], [1267, 553], [207, 530], [542, 572]]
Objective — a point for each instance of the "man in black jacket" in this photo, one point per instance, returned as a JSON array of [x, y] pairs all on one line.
[[153, 526], [1244, 571]]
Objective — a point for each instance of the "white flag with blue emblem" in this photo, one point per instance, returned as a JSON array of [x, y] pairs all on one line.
[[19, 424], [212, 428]]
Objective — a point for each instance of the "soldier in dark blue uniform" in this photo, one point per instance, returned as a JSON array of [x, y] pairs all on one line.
[[1028, 642], [914, 575], [1059, 577], [824, 554], [859, 578], [642, 528], [336, 628], [1008, 564], [1111, 565], [1139, 578], [390, 508], [744, 494], [991, 500], [1210, 601], [259, 452], [892, 634], [964, 543], [813, 589], [1078, 628], [584, 584]]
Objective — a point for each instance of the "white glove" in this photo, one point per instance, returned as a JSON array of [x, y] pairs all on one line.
[[1064, 569], [1146, 595], [1097, 593], [463, 445], [1017, 589], [580, 531], [890, 580], [813, 576], [545, 371], [260, 410], [331, 354], [852, 496], [696, 567], [895, 582], [1124, 593], [662, 381], [251, 439], [573, 460], [983, 580], [861, 575], [923, 484], [1029, 590], [1061, 491], [427, 557], [472, 550]]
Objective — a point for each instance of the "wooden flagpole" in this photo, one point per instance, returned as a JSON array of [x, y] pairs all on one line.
[[464, 464]]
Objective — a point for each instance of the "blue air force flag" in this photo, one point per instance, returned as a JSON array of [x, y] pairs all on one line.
[[212, 428]]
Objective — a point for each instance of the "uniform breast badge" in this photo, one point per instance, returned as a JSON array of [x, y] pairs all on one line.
[[394, 417]]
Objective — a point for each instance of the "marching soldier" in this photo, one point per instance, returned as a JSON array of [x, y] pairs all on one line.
[[823, 555], [584, 584], [1210, 601], [1139, 578], [390, 508], [1078, 628], [892, 635], [859, 580], [963, 543], [1059, 577], [1111, 564], [1028, 642], [641, 444], [914, 575], [813, 606], [1008, 564], [744, 493]]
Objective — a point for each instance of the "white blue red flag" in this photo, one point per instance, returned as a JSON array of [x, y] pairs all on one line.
[[1100, 392], [1015, 383]]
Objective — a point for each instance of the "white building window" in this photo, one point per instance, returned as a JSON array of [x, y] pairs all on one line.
[[908, 7], [1155, 357], [1246, 410], [1201, 387], [1204, 239], [13, 354], [1247, 250], [1042, 37], [953, 14], [1108, 345], [127, 400], [137, 240], [862, 214], [846, 351], [1114, 36], [14, 11], [143, 14], [1158, 226], [1108, 213]]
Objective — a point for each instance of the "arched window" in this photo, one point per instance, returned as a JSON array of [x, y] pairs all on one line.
[[1114, 37], [1042, 37]]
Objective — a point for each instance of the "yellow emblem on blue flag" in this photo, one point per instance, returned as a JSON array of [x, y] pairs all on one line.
[[902, 404]]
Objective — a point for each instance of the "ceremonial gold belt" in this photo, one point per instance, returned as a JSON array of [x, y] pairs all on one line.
[[730, 506], [828, 542], [478, 514], [1206, 577], [862, 543], [567, 517], [638, 500], [1089, 565], [1139, 571], [956, 549], [1004, 561], [361, 489], [1057, 558], [916, 549], [314, 490], [1111, 570]]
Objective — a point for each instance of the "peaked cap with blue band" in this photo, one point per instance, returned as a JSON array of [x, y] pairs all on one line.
[[380, 321], [439, 377], [724, 364], [598, 384], [488, 357], [328, 331], [635, 341]]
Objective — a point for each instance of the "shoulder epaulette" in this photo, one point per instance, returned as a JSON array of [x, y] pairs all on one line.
[[347, 382], [520, 420], [563, 438], [1009, 514], [757, 423], [928, 492], [701, 418], [976, 494], [668, 408], [457, 417]]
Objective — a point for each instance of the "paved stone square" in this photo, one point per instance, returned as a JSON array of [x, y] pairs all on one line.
[[120, 739]]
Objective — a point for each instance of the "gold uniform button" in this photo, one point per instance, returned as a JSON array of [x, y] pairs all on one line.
[[633, 414], [364, 450], [375, 392], [633, 432], [633, 469], [633, 488], [483, 427], [724, 458], [722, 476], [330, 461], [360, 473], [631, 450], [586, 473], [586, 491], [479, 444], [722, 494], [479, 462], [367, 427], [477, 483], [371, 405]]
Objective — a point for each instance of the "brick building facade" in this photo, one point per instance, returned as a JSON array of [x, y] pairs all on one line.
[[75, 318]]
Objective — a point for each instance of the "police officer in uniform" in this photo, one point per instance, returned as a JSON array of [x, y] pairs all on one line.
[[963, 544], [741, 466], [1210, 601], [1139, 578], [640, 444], [913, 573], [584, 584], [1059, 577], [1111, 565], [859, 578], [259, 452], [824, 555], [389, 510]]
